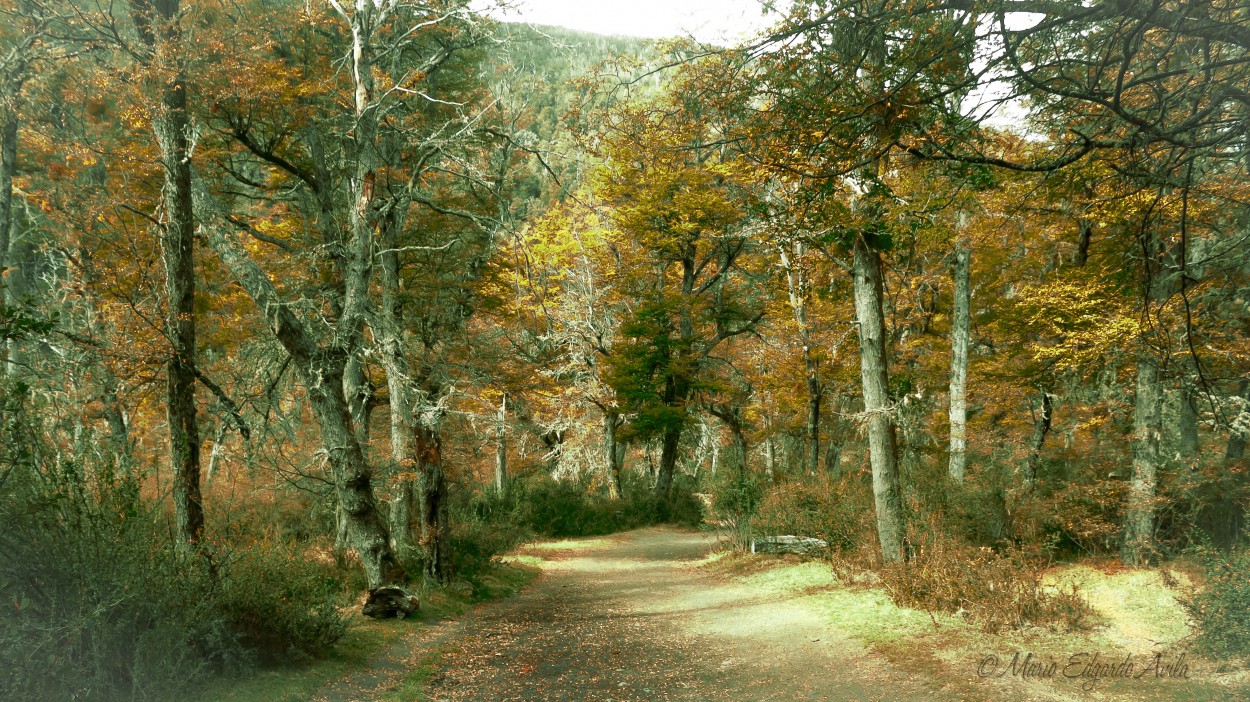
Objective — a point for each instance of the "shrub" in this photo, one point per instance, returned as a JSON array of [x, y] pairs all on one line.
[[735, 498], [97, 602], [482, 527], [570, 508], [281, 606], [836, 511], [1221, 610], [996, 590]]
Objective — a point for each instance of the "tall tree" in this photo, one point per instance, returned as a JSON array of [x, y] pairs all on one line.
[[961, 323], [158, 23]]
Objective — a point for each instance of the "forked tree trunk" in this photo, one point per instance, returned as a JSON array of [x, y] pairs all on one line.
[[321, 371], [961, 322], [882, 442]]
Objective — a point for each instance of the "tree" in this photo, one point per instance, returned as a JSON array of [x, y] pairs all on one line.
[[158, 25], [678, 206]]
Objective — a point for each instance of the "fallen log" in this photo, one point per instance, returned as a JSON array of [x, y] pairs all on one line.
[[787, 544]]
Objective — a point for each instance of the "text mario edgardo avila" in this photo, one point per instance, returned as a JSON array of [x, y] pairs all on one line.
[[1089, 668]]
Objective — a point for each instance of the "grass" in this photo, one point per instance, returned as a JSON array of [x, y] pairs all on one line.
[[568, 545], [1137, 613], [367, 639]]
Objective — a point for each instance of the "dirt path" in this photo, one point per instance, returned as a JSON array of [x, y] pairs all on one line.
[[630, 618]]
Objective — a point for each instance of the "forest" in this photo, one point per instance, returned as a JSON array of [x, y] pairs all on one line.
[[315, 309]]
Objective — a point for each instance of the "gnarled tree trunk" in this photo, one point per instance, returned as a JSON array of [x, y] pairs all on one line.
[[321, 371]]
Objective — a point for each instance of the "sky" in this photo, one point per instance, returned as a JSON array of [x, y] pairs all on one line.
[[706, 20]]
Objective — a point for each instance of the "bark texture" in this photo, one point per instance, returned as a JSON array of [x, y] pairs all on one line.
[[158, 23], [882, 441], [321, 371], [961, 323]]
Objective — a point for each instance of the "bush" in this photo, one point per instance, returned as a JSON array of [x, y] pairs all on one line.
[[97, 602], [996, 590], [836, 511], [482, 527], [1221, 611], [570, 508], [281, 606]]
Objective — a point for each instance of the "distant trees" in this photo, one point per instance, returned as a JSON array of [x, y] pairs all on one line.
[[474, 274]]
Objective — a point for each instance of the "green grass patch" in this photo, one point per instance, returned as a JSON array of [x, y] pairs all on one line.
[[568, 545]]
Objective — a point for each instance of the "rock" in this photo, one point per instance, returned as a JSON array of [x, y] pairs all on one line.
[[787, 544], [390, 601]]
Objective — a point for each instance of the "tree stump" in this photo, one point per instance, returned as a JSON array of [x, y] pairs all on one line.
[[390, 601]]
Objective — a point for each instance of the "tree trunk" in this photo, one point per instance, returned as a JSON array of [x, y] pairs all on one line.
[[1240, 426], [119, 430], [731, 416], [882, 443], [770, 459], [1138, 545], [668, 459], [1139, 517], [813, 417], [1188, 442], [961, 323], [615, 451], [400, 386], [833, 460], [8, 167], [215, 455], [501, 447], [172, 125], [322, 374], [432, 498], [797, 289], [1041, 427]]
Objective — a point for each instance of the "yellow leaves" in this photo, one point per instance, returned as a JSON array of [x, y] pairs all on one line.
[[1076, 322]]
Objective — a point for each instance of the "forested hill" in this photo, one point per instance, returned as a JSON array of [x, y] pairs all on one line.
[[545, 70]]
